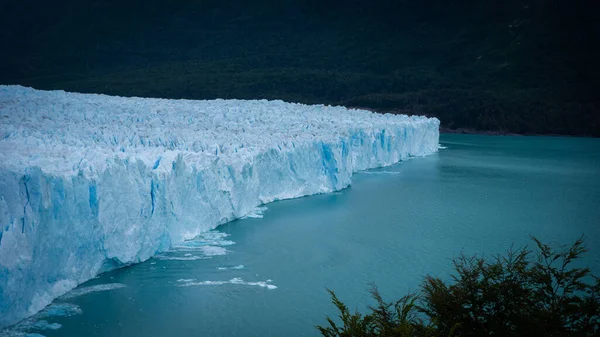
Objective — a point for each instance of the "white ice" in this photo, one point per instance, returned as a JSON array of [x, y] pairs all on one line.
[[91, 289], [41, 321], [236, 280], [238, 267], [89, 183], [204, 246]]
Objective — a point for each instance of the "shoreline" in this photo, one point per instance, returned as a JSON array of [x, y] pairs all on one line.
[[466, 131]]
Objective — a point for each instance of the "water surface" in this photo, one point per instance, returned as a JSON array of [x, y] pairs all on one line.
[[267, 276]]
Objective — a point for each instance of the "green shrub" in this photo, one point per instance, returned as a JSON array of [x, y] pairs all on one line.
[[517, 294]]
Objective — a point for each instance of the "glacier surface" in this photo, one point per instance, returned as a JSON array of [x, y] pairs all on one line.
[[89, 183]]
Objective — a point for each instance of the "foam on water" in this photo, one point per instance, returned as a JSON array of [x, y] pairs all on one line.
[[238, 267], [60, 310], [213, 251], [44, 325], [180, 258], [91, 289], [204, 246], [256, 213], [381, 172], [40, 321], [236, 281]]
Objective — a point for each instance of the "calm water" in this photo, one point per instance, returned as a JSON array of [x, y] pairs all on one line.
[[267, 277]]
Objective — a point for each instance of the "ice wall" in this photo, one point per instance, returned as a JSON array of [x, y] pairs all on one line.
[[89, 183]]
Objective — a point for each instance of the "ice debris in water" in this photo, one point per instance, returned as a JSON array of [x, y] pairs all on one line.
[[91, 289], [382, 172], [238, 267], [45, 325], [118, 180], [39, 321], [256, 213], [204, 246], [236, 280]]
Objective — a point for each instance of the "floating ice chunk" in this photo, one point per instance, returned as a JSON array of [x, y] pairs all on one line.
[[236, 280], [213, 251], [256, 213], [86, 290], [211, 238], [186, 280], [381, 172], [238, 267], [39, 321], [181, 258], [60, 310], [45, 325], [205, 246]]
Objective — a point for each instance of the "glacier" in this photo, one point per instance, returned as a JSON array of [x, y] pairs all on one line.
[[90, 183]]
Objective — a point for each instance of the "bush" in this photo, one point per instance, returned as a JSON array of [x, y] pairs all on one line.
[[518, 294]]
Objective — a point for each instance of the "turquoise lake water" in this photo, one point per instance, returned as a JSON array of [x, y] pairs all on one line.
[[267, 276]]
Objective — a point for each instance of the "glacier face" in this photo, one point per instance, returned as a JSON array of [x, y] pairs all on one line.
[[89, 183]]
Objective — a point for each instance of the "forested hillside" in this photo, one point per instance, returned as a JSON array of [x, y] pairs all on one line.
[[510, 66]]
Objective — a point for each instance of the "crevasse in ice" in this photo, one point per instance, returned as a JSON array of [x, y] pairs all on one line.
[[89, 183]]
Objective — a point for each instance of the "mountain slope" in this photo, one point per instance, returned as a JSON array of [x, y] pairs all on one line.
[[515, 66]]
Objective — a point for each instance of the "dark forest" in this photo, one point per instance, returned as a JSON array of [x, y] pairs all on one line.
[[514, 66]]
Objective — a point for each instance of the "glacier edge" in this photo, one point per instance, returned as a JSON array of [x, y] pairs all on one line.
[[89, 183]]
